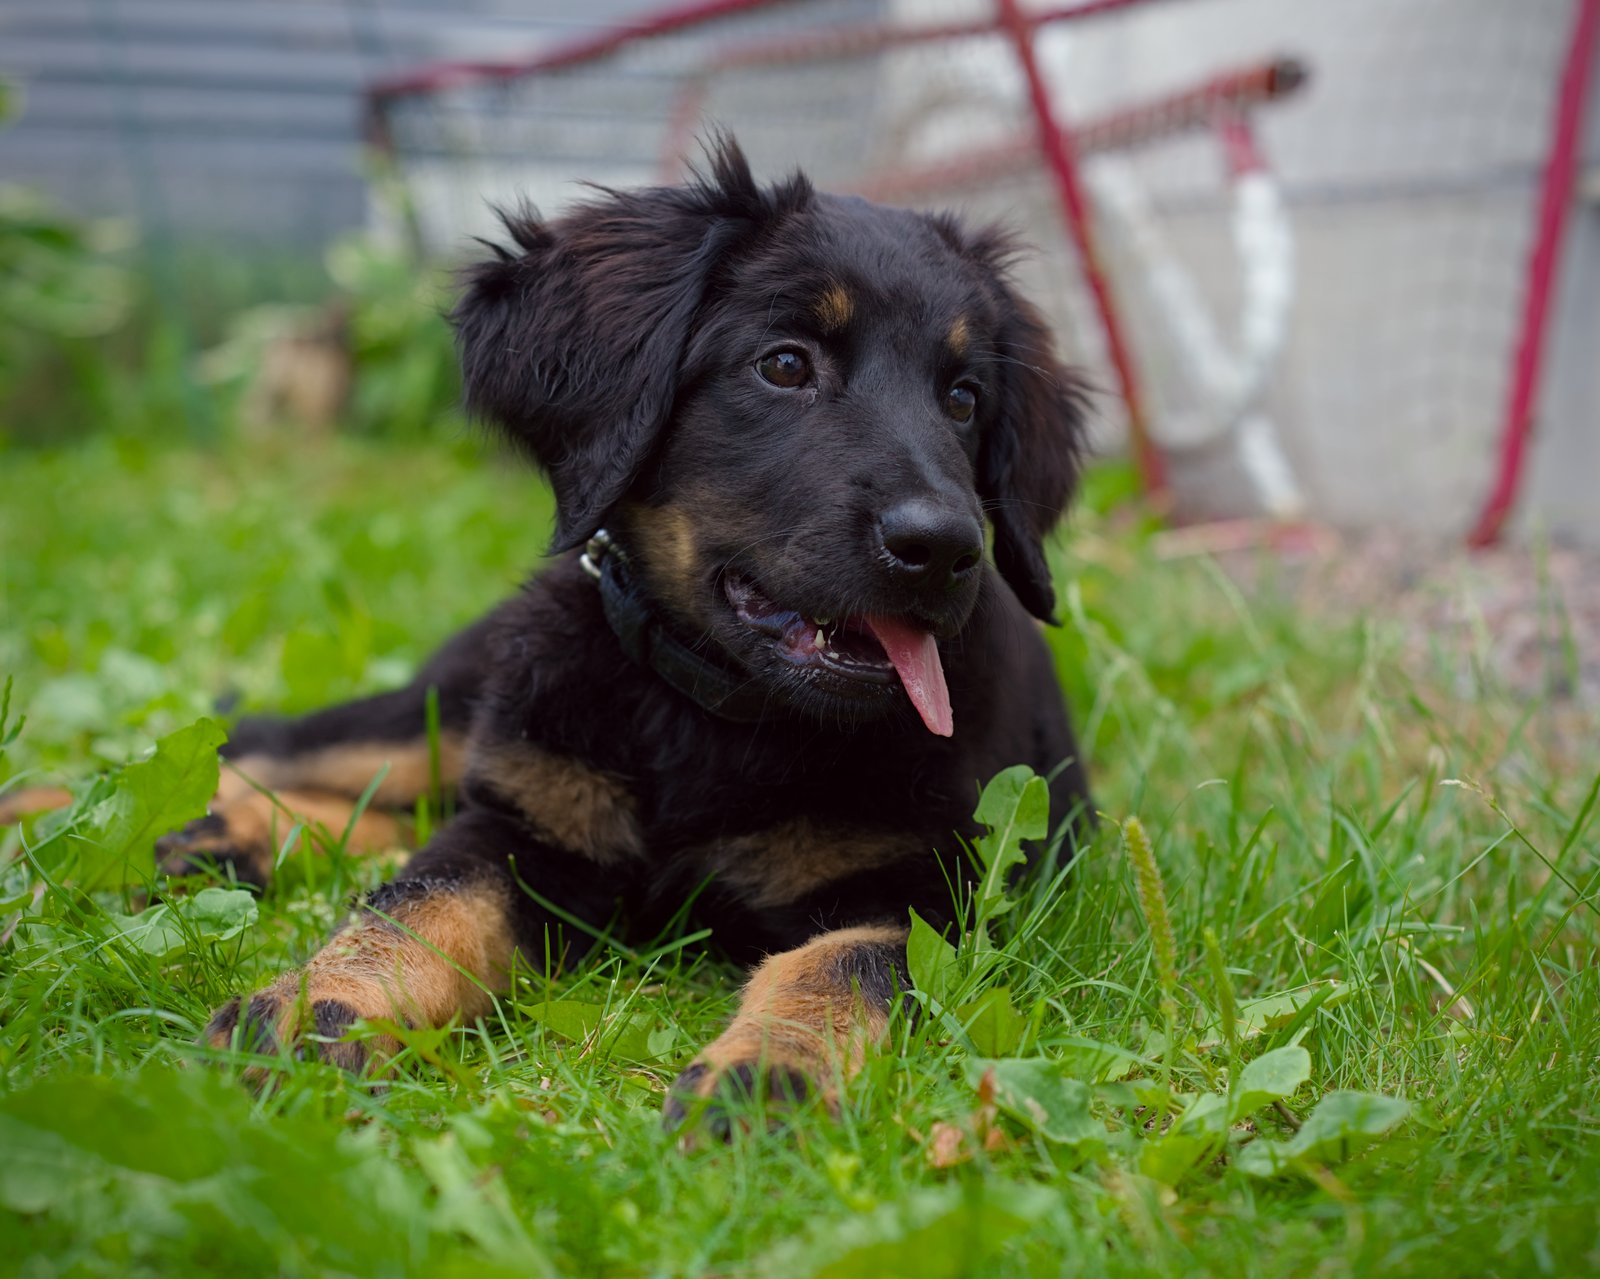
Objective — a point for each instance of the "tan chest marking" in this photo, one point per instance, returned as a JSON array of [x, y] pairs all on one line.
[[577, 807], [778, 866]]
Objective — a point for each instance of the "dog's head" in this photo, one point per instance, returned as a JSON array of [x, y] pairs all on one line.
[[793, 410]]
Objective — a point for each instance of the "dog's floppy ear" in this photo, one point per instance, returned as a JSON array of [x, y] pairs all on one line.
[[573, 345], [1028, 459]]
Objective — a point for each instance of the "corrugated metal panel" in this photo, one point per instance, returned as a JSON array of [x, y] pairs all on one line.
[[236, 119]]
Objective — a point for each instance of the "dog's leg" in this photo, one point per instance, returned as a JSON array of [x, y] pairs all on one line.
[[313, 770], [805, 1022], [245, 829], [17, 804], [261, 796], [436, 943]]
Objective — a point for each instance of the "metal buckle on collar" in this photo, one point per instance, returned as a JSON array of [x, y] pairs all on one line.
[[595, 552], [646, 639]]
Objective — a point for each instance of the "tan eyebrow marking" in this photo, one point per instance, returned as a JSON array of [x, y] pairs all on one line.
[[834, 308], [959, 335]]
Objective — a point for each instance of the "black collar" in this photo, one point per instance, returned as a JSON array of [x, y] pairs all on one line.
[[646, 638]]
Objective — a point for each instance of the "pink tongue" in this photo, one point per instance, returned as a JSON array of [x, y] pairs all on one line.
[[916, 660]]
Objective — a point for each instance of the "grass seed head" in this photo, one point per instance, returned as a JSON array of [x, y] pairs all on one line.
[[1153, 902]]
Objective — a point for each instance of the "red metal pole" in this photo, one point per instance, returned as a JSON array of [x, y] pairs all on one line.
[[431, 77], [1238, 141], [1227, 95], [1059, 154], [685, 116], [799, 46], [1555, 204]]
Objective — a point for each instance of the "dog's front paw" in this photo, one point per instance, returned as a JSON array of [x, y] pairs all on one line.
[[718, 1094], [294, 1017], [216, 843]]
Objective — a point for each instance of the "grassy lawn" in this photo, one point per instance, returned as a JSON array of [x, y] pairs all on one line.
[[1366, 1042]]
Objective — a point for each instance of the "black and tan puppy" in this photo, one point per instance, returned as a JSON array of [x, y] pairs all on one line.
[[780, 669]]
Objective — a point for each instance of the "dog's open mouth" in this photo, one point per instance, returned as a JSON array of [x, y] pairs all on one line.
[[870, 649]]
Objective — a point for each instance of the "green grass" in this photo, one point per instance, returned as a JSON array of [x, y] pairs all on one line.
[[1417, 940]]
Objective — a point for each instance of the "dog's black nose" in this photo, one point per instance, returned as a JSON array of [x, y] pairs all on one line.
[[930, 544]]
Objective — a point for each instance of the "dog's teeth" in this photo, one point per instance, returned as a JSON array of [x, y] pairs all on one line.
[[821, 642]]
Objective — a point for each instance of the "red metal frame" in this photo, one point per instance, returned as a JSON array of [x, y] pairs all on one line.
[[1219, 102], [1239, 142], [1555, 206], [837, 43], [1062, 159], [432, 77]]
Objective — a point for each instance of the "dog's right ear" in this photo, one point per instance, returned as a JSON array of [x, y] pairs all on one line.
[[573, 343]]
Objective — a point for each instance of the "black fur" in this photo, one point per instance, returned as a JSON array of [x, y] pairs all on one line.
[[876, 969], [255, 1025], [331, 1019]]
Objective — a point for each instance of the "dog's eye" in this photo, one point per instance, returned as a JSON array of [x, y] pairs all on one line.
[[787, 368], [961, 402]]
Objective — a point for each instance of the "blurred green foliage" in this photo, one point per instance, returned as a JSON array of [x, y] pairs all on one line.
[[141, 585], [61, 295], [103, 334], [402, 356]]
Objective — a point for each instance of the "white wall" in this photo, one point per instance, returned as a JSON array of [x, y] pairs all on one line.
[[1411, 165]]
